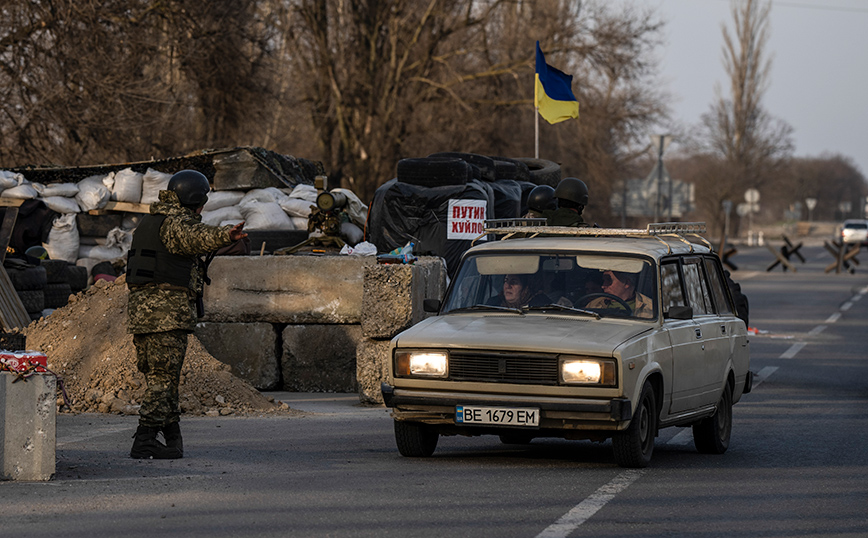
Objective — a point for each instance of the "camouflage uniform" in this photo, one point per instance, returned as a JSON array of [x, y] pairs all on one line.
[[162, 315], [563, 216]]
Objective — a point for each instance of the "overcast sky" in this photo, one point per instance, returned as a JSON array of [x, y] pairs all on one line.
[[819, 74]]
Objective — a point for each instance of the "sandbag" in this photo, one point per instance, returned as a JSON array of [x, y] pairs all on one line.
[[63, 240], [61, 204], [67, 190], [296, 207], [265, 216], [10, 179], [305, 192], [21, 192], [152, 183], [127, 186], [268, 194], [216, 217], [92, 195], [220, 199]]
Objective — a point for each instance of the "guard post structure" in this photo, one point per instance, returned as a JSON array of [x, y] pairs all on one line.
[[28, 427]]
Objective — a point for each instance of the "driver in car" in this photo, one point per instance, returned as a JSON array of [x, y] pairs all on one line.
[[622, 285]]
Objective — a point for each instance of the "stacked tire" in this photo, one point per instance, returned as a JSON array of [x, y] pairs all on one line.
[[29, 283], [57, 287]]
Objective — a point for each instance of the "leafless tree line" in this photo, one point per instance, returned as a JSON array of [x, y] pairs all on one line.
[[360, 84]]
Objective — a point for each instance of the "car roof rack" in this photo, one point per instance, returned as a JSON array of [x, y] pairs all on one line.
[[536, 227]]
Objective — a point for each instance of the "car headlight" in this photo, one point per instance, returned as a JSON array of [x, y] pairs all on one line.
[[588, 371], [421, 363]]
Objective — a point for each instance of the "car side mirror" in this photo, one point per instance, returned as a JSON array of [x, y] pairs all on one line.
[[431, 305], [680, 312]]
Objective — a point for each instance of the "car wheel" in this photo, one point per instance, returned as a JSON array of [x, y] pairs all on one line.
[[711, 436], [415, 440], [516, 438], [634, 446]]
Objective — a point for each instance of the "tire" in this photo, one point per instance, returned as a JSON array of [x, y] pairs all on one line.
[[57, 295], [506, 170], [634, 446], [77, 277], [522, 172], [33, 300], [415, 440], [485, 165], [543, 172], [55, 271], [30, 278], [433, 172], [711, 436]]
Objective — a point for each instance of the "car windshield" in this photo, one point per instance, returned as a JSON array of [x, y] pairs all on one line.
[[592, 284]]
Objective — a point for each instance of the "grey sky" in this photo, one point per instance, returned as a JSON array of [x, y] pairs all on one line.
[[819, 75]]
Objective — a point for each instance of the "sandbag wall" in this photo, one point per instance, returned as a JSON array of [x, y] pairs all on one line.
[[313, 323]]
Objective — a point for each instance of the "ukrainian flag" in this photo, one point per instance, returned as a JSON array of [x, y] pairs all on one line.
[[553, 94]]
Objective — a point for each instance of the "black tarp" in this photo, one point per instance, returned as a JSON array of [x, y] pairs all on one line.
[[403, 213]]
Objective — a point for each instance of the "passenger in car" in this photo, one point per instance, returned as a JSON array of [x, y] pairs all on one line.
[[519, 291], [623, 285]]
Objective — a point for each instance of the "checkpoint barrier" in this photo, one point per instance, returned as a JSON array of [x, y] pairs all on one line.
[[845, 256], [28, 406], [782, 256]]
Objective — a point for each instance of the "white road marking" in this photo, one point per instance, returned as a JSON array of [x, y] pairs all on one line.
[[846, 306], [590, 506], [762, 375], [817, 330], [794, 349], [833, 318]]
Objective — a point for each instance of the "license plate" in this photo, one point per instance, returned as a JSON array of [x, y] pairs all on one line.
[[497, 416]]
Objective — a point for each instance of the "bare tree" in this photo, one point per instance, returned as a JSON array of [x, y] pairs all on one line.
[[751, 143]]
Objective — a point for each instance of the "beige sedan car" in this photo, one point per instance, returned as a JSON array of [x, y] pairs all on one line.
[[578, 333]]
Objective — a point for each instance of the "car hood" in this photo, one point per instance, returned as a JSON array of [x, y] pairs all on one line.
[[513, 332]]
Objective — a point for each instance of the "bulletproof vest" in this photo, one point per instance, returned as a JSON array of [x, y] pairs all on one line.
[[149, 261]]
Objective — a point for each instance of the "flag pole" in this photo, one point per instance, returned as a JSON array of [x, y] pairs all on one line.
[[536, 133]]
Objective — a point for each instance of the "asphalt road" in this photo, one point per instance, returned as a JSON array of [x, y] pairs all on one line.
[[797, 463]]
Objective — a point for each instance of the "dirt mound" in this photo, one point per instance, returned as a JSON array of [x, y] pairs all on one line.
[[88, 347]]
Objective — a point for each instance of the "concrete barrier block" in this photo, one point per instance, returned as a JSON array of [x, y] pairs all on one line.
[[393, 294], [372, 359], [249, 348], [28, 430], [320, 358], [286, 289]]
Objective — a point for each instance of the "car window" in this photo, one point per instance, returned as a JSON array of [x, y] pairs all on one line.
[[670, 283], [697, 291], [607, 284], [715, 282]]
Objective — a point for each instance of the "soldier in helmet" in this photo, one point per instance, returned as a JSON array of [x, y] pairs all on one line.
[[572, 196], [165, 276], [540, 199]]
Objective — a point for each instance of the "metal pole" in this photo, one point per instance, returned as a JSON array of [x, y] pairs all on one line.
[[659, 178], [536, 133]]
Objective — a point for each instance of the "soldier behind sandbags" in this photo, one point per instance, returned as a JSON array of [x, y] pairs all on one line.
[[166, 276], [572, 197]]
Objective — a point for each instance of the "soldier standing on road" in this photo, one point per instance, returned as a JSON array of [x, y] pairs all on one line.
[[572, 196], [166, 277]]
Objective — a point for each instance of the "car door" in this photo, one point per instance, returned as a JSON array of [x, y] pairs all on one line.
[[684, 337], [708, 367]]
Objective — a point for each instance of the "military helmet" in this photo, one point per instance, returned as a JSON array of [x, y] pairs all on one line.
[[572, 189], [192, 187], [541, 198]]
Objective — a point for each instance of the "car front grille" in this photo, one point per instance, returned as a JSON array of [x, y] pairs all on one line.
[[503, 367]]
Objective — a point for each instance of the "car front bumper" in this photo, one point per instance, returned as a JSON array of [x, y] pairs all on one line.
[[559, 413]]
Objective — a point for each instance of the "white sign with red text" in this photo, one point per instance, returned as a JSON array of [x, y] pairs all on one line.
[[466, 219]]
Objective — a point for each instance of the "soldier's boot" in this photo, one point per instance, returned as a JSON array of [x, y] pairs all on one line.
[[146, 446], [172, 433]]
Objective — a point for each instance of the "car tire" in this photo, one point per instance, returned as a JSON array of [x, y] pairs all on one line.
[[711, 436], [634, 446], [415, 440]]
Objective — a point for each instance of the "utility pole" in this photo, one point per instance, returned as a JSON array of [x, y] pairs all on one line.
[[660, 142]]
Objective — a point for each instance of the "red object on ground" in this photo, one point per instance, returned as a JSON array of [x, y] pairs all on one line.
[[21, 360]]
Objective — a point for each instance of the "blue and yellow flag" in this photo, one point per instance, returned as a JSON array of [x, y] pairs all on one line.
[[553, 94]]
